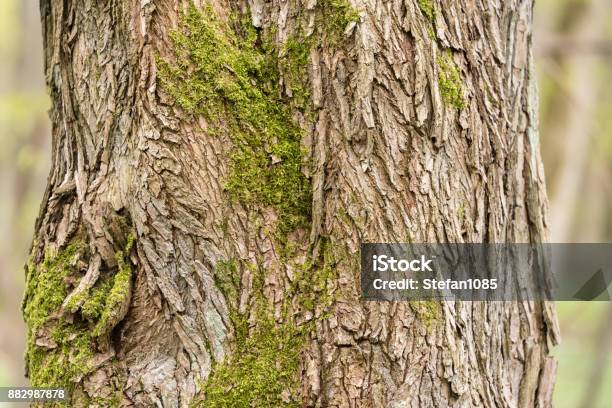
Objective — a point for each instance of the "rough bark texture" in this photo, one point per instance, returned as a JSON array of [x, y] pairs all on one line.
[[180, 258]]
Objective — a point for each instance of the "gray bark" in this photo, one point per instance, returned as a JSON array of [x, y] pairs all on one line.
[[395, 158]]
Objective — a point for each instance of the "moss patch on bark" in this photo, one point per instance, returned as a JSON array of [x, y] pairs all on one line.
[[57, 352], [332, 18], [428, 311], [111, 302], [449, 81], [263, 368], [230, 75], [62, 342], [229, 80], [428, 9]]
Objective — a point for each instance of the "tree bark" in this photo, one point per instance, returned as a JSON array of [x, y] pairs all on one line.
[[182, 257]]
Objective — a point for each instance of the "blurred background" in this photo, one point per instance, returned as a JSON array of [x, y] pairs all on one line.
[[573, 48]]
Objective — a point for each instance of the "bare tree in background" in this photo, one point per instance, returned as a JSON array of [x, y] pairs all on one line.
[[215, 168]]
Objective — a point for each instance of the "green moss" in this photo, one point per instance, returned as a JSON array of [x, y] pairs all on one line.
[[93, 306], [76, 300], [428, 9], [231, 81], [69, 345], [227, 279], [335, 16], [102, 303], [428, 311], [67, 360], [229, 74], [46, 289], [120, 291], [294, 60], [262, 372], [311, 284], [116, 296], [263, 368], [63, 365], [461, 212], [331, 20], [449, 81], [114, 401]]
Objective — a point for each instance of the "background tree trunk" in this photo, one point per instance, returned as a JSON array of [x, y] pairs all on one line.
[[215, 168]]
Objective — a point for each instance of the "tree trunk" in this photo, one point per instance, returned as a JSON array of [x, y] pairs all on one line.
[[215, 168]]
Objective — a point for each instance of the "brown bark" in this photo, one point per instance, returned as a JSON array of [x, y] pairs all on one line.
[[397, 155]]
